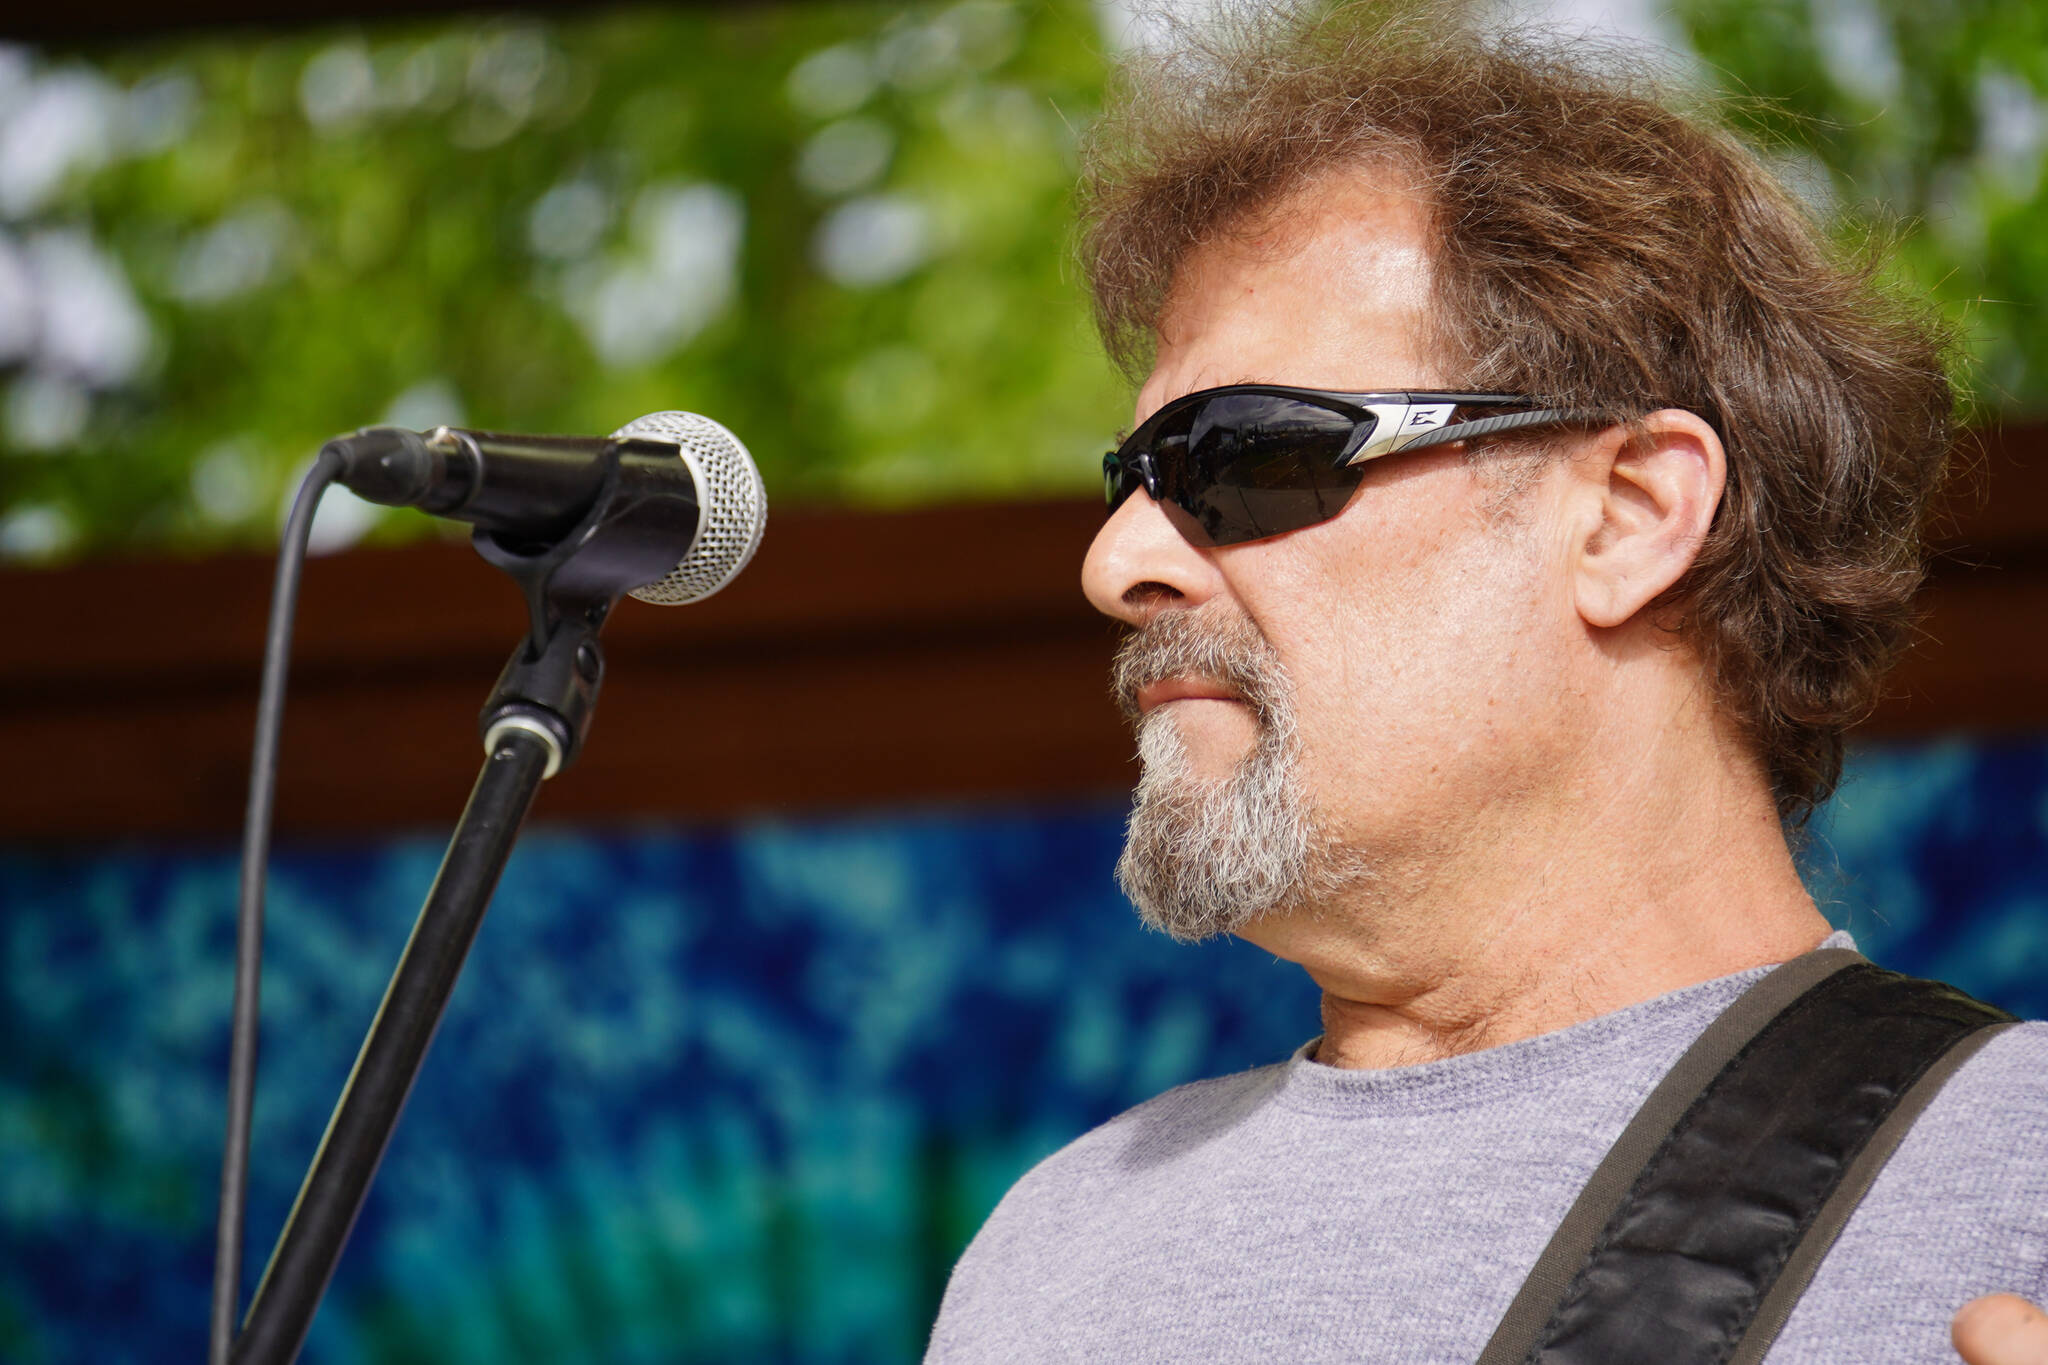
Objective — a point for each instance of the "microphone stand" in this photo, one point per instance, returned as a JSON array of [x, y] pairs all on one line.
[[533, 725]]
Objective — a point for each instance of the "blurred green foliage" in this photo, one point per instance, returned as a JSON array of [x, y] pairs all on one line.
[[839, 228], [1926, 123]]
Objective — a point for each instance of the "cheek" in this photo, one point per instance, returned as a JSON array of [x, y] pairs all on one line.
[[1431, 660]]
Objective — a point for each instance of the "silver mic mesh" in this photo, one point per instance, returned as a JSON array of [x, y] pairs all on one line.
[[734, 506]]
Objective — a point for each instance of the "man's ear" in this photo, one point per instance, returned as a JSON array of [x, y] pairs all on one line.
[[1649, 492]]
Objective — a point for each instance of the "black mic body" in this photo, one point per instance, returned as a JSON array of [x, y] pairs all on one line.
[[524, 488], [671, 486]]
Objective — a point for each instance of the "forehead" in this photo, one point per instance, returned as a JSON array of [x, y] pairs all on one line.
[[1328, 289]]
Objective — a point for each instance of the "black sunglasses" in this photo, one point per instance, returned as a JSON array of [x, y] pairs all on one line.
[[1252, 460]]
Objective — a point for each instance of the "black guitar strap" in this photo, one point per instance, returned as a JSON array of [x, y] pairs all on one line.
[[1709, 1215]]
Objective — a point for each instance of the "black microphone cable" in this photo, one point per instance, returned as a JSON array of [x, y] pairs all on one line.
[[234, 1166]]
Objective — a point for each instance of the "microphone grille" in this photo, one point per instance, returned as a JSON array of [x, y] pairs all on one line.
[[733, 507]]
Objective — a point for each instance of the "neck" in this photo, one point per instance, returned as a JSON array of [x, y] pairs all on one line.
[[1632, 879]]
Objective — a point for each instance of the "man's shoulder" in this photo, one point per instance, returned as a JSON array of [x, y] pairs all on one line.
[[1960, 1210], [1074, 1207], [2017, 1051], [1997, 1101], [1969, 1182], [1143, 1138], [1178, 1118]]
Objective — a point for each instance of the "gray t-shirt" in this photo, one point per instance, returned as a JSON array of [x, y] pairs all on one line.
[[1299, 1212]]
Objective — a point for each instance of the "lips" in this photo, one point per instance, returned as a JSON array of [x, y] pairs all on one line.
[[1159, 693]]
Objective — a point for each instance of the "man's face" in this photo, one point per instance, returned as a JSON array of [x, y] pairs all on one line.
[[1415, 642]]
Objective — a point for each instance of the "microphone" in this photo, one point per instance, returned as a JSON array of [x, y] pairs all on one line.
[[693, 484]]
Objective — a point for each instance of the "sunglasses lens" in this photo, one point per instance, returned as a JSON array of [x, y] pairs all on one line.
[[1241, 466], [1121, 477]]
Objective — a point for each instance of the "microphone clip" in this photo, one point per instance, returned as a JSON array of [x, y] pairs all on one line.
[[625, 540]]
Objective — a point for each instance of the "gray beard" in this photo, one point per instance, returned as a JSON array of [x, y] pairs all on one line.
[[1207, 857]]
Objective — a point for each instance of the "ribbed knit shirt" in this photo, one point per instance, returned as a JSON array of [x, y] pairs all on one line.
[[1299, 1212]]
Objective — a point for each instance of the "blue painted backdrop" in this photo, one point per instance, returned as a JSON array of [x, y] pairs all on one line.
[[715, 1095]]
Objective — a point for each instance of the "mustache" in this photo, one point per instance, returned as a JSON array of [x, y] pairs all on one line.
[[1210, 641]]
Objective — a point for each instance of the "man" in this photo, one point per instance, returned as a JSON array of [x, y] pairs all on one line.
[[1497, 738]]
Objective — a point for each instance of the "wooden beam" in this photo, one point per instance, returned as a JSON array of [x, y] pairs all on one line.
[[925, 657], [1981, 662], [1997, 504]]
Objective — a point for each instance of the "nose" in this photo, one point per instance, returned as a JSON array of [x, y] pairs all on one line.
[[1139, 566]]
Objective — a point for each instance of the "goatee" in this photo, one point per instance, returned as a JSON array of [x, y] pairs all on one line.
[[1209, 856]]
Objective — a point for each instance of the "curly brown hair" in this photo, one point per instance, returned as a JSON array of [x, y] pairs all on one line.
[[1595, 246]]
